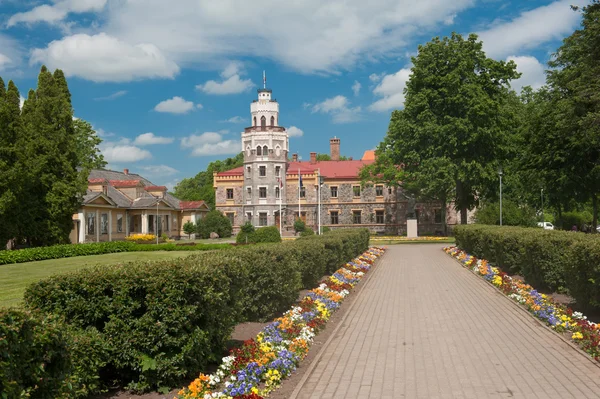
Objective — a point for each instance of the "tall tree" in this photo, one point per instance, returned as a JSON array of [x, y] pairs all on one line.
[[453, 131], [574, 83], [87, 142], [200, 187]]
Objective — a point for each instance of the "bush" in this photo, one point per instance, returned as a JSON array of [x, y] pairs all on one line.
[[70, 250], [512, 214], [164, 320], [34, 359], [312, 260], [307, 233], [142, 238], [266, 234], [299, 226], [569, 219], [245, 236], [325, 229], [214, 222], [189, 228]]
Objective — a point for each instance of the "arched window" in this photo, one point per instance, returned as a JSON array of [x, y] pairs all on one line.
[[259, 150], [272, 121], [265, 150], [254, 121], [263, 122]]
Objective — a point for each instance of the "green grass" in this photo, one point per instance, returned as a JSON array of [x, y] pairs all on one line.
[[14, 278]]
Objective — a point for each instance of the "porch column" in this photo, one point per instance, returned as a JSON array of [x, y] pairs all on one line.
[[97, 225], [82, 226], [126, 223], [144, 223], [193, 219], [110, 225]]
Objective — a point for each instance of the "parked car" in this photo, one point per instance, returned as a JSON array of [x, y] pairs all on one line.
[[546, 225]]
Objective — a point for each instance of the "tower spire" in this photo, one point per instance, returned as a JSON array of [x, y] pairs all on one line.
[[264, 79]]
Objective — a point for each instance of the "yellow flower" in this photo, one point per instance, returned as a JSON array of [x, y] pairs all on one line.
[[577, 335]]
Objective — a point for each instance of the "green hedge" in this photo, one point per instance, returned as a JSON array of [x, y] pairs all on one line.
[[557, 260], [162, 321], [149, 324], [100, 248]]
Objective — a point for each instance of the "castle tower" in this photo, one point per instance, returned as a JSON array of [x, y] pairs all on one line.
[[265, 145]]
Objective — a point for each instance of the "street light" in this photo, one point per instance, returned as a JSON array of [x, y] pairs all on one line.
[[500, 174]]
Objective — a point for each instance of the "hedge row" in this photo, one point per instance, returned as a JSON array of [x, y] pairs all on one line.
[[70, 250], [557, 260], [149, 325]]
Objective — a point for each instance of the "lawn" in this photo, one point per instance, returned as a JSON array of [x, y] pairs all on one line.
[[14, 278]]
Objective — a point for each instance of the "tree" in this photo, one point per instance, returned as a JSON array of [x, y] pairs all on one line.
[[453, 132], [574, 84], [200, 187], [189, 228], [327, 157], [87, 143], [214, 222], [299, 225]]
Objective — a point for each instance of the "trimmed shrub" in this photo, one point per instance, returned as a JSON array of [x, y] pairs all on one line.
[[189, 228], [299, 225], [70, 250], [34, 360], [214, 222], [307, 233], [245, 236], [312, 260], [163, 320], [266, 234]]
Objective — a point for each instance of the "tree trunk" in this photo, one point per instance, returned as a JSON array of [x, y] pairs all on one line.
[[595, 221], [460, 195], [444, 224]]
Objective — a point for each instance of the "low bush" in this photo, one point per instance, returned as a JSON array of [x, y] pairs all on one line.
[[141, 238], [70, 250], [557, 260], [267, 234], [245, 236], [307, 233], [214, 222], [163, 320]]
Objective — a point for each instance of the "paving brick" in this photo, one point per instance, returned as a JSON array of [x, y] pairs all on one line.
[[425, 327]]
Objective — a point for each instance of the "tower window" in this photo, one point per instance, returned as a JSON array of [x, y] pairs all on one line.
[[277, 192], [262, 170], [230, 193], [277, 170], [263, 122], [272, 121], [259, 150], [254, 124], [262, 192], [265, 150]]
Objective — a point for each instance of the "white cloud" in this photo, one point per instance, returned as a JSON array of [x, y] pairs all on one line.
[[176, 105], [307, 36], [232, 83], [10, 52], [338, 107], [56, 12], [122, 152], [21, 101], [210, 143], [533, 72], [531, 28], [117, 94], [236, 119], [376, 77], [159, 170], [356, 87], [104, 58], [391, 88], [293, 131], [151, 139]]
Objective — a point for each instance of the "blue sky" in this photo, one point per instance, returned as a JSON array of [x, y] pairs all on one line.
[[168, 84]]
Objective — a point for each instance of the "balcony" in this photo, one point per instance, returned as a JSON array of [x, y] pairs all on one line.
[[264, 129]]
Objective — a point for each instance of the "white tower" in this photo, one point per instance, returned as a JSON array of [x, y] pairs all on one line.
[[265, 145]]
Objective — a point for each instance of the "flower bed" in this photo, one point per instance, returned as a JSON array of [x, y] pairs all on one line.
[[259, 365], [560, 318]]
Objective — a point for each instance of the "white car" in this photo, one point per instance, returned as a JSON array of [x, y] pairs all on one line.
[[546, 225]]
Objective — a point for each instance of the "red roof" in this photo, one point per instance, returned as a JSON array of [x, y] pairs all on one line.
[[184, 205], [96, 181], [155, 188], [329, 169], [124, 183]]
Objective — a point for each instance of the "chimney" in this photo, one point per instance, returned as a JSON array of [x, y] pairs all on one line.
[[334, 148], [126, 171], [313, 157], [295, 158]]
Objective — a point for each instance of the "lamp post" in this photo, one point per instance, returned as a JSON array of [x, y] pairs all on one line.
[[543, 219], [156, 229], [500, 174]]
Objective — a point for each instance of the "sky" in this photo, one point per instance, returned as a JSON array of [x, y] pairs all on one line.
[[167, 85]]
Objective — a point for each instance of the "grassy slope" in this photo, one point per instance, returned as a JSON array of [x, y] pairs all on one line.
[[14, 278]]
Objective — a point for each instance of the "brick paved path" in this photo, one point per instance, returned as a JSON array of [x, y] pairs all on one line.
[[425, 327]]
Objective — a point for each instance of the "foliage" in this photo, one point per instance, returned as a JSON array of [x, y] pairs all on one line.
[[200, 187], [580, 219], [189, 228], [325, 229], [446, 143], [69, 250], [214, 222], [266, 234], [512, 214], [299, 225], [307, 232], [245, 236], [327, 157], [34, 359], [141, 237], [164, 320]]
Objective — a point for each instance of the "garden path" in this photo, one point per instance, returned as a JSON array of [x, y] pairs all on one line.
[[422, 326]]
